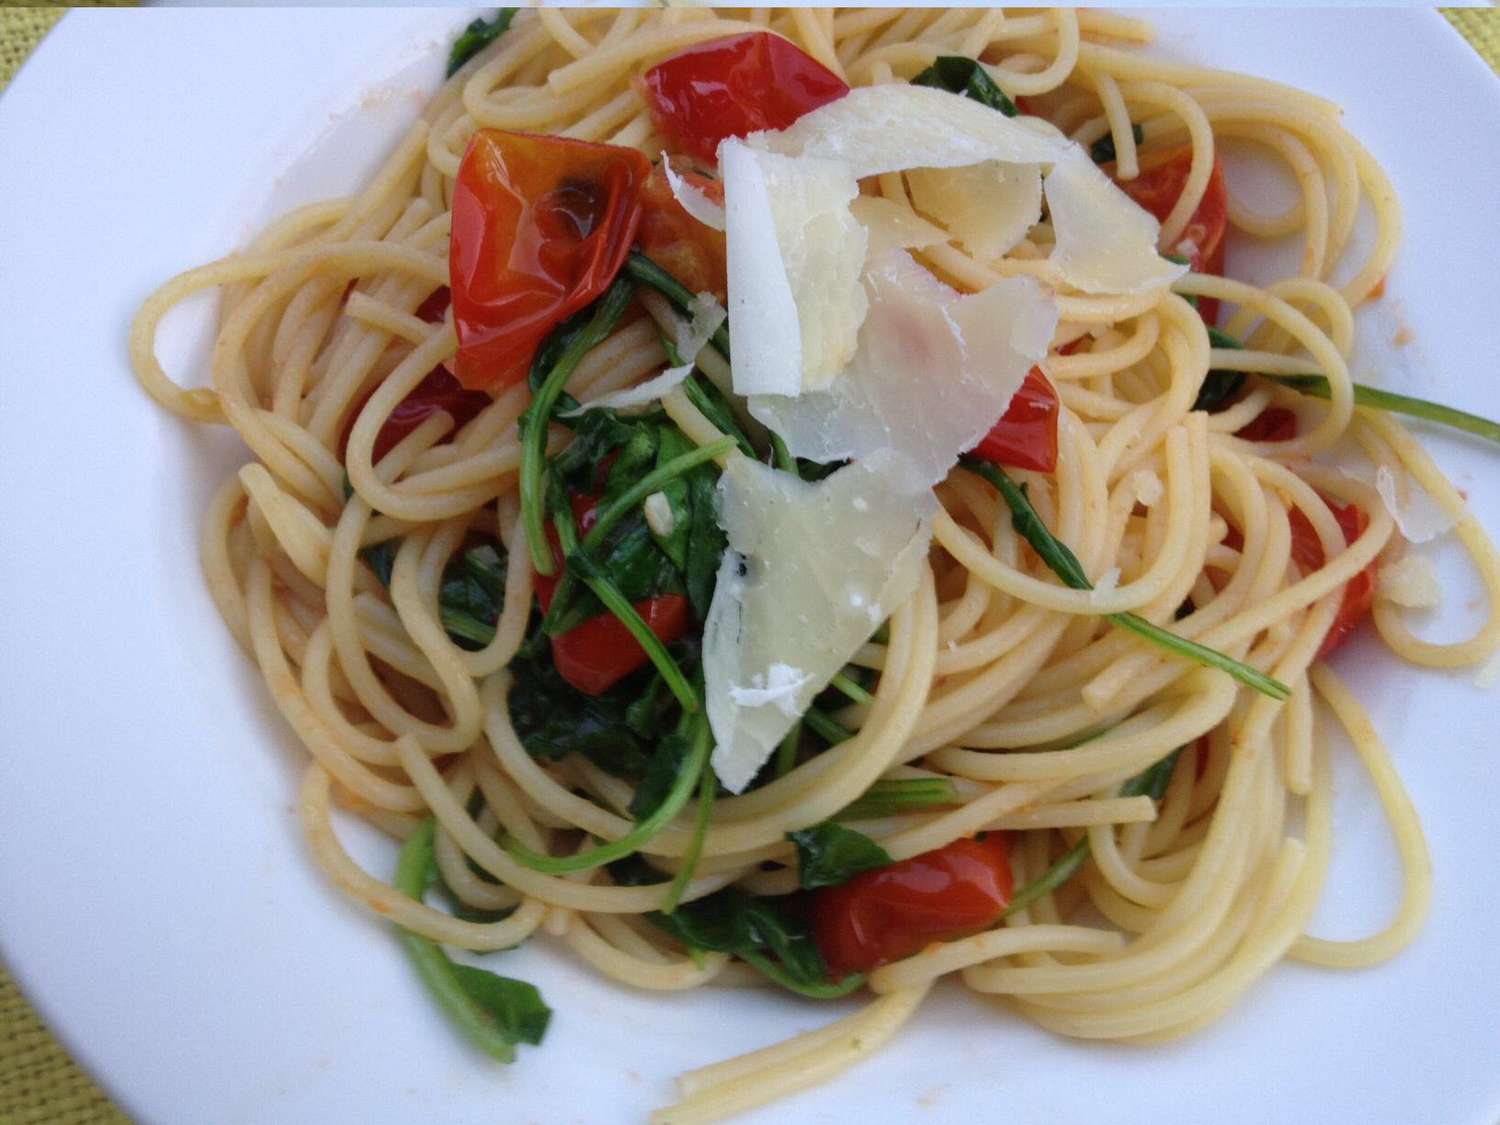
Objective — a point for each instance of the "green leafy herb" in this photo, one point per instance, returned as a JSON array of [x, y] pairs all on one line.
[[1066, 566], [708, 788], [1316, 386], [771, 934], [1102, 151], [893, 796], [471, 596], [381, 558], [829, 854], [960, 75], [853, 691], [829, 729], [558, 357], [616, 729], [695, 760], [786, 753], [476, 37], [494, 1012]]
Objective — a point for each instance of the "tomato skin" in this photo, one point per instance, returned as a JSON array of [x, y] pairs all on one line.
[[1026, 435], [541, 225], [693, 253], [600, 652], [1158, 188], [1359, 591], [1274, 423], [735, 86], [892, 912]]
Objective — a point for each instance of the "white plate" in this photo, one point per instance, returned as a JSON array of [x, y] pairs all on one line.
[[155, 898]]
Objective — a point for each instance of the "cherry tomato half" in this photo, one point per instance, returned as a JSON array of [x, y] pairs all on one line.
[[1274, 423], [1359, 592], [690, 251], [1158, 188], [892, 912], [541, 225], [1026, 435], [733, 87], [600, 652]]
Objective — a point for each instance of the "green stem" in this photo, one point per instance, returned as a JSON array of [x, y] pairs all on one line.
[[783, 456], [708, 790], [786, 753], [1055, 876], [852, 690], [642, 269], [534, 441], [413, 872], [813, 991], [894, 796], [672, 804], [716, 411], [1316, 386], [1064, 563], [829, 729]]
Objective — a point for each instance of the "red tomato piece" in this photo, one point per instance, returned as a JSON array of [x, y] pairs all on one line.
[[692, 253], [1274, 423], [1359, 592], [1158, 188], [600, 652], [432, 309], [1026, 435], [892, 912], [541, 225], [437, 391], [735, 86]]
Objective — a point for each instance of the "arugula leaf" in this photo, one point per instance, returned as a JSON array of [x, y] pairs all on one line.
[[672, 443], [661, 774], [960, 75], [381, 558], [829, 854], [476, 37], [553, 719], [494, 1012], [1066, 566], [772, 934], [708, 790], [1102, 151], [706, 542], [472, 592], [644, 271]]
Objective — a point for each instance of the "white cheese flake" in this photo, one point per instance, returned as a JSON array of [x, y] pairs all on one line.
[[694, 200], [704, 317], [1419, 517], [890, 226], [987, 207], [933, 372], [1410, 581], [1105, 243], [784, 618], [795, 253], [658, 512], [637, 397], [893, 127]]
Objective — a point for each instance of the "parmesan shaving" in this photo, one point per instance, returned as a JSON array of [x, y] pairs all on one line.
[[890, 128], [658, 512], [1105, 242], [933, 372], [987, 207], [795, 253], [636, 397], [891, 226], [694, 200], [812, 569], [1410, 581], [1419, 517], [704, 317]]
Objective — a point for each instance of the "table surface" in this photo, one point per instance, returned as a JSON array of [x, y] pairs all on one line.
[[39, 1083]]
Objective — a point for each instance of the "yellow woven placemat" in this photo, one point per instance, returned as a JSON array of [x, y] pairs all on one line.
[[39, 1084]]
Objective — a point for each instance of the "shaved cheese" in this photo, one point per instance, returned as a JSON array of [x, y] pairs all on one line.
[[988, 207], [891, 226], [889, 128], [1105, 242], [795, 253], [704, 317], [658, 512], [694, 200], [633, 398], [1418, 515], [1146, 486], [933, 372], [1410, 581], [812, 570]]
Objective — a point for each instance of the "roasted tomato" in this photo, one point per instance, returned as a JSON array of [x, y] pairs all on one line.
[[692, 253], [1359, 593], [541, 225], [892, 912], [1158, 188], [1026, 435], [733, 87]]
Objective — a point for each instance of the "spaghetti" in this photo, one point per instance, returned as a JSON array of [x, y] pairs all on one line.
[[1147, 907]]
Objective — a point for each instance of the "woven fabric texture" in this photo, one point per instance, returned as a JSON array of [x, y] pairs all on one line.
[[39, 1083]]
